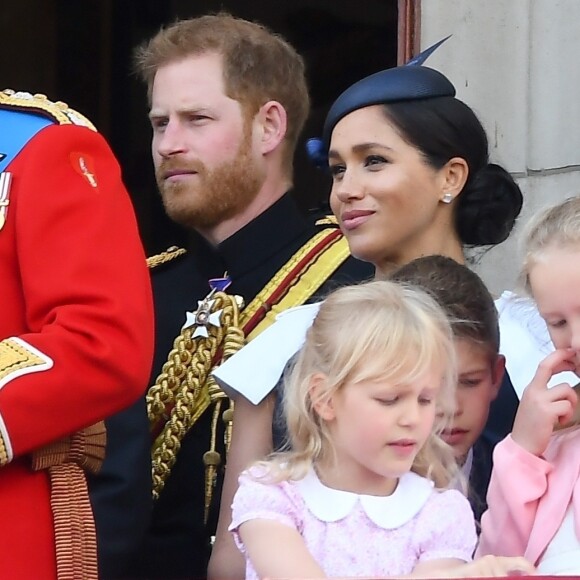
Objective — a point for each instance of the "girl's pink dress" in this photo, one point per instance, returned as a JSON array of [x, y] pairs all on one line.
[[361, 535]]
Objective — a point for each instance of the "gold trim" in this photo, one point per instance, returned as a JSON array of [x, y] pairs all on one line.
[[16, 359], [57, 111], [4, 458], [185, 380], [327, 220], [67, 461], [307, 284], [164, 257], [317, 273], [262, 297]]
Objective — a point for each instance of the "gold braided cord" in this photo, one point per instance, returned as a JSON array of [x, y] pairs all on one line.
[[211, 460], [57, 111], [181, 381], [163, 392], [228, 419], [164, 257], [185, 381], [175, 371]]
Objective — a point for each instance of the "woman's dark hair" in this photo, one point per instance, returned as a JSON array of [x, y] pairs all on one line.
[[443, 128], [460, 292]]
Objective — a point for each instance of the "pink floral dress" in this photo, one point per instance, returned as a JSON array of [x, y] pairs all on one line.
[[361, 535]]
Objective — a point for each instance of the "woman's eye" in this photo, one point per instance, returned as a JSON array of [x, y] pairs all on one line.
[[336, 171], [374, 160], [425, 401], [557, 323]]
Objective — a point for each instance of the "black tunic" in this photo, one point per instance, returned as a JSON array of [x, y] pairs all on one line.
[[177, 545]]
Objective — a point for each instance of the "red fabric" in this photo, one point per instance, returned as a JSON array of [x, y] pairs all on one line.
[[74, 284]]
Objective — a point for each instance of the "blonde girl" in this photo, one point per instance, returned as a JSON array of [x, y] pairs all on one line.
[[534, 493], [361, 492]]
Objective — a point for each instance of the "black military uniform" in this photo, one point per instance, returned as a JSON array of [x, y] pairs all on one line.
[[178, 545]]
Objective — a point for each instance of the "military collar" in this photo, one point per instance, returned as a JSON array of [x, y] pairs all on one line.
[[388, 512], [263, 237]]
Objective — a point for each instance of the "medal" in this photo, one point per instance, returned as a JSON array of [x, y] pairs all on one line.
[[203, 317], [5, 180]]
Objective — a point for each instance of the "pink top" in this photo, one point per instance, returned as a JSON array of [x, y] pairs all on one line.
[[361, 535], [529, 496]]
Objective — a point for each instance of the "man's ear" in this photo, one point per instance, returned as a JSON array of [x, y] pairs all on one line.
[[272, 121], [321, 402], [497, 374]]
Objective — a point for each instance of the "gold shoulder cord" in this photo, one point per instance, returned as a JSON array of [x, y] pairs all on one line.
[[185, 381], [58, 111]]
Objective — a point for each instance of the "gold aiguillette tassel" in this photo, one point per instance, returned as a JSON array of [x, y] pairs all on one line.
[[211, 460]]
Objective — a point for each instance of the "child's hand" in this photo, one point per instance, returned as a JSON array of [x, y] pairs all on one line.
[[541, 408], [491, 566]]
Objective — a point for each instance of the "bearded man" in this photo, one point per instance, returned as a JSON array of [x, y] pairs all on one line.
[[228, 100]]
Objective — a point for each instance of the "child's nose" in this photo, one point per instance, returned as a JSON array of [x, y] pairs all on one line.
[[574, 335], [412, 414]]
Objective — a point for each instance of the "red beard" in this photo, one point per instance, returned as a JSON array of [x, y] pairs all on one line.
[[211, 196]]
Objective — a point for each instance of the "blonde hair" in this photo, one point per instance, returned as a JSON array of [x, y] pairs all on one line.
[[258, 65], [557, 226], [377, 330]]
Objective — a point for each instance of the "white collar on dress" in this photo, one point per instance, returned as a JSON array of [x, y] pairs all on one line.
[[388, 512]]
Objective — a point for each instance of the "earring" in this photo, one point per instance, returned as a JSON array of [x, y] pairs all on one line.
[[447, 198]]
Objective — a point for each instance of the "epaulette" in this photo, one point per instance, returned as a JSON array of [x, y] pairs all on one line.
[[167, 256], [56, 111]]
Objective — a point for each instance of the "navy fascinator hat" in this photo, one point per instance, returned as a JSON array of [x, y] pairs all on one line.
[[409, 82]]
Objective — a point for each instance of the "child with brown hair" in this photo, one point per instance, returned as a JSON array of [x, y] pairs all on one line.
[[474, 322]]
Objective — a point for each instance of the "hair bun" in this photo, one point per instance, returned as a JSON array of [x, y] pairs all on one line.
[[488, 207]]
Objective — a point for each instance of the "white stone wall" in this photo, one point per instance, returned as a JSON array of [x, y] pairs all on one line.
[[516, 63]]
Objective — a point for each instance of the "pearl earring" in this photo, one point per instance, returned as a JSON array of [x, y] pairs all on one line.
[[447, 198]]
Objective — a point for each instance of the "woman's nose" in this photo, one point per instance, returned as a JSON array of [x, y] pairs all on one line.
[[349, 187]]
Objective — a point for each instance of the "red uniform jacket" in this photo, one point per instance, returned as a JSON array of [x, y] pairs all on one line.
[[76, 321]]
